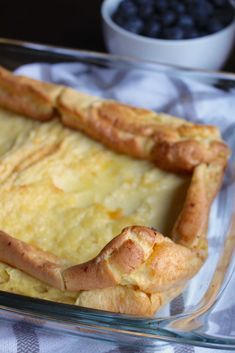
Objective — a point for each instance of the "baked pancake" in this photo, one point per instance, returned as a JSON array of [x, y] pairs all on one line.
[[82, 221], [75, 199]]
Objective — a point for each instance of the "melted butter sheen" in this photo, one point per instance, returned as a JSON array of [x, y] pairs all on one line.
[[69, 195]]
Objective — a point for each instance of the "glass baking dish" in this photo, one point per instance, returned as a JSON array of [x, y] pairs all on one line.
[[195, 316]]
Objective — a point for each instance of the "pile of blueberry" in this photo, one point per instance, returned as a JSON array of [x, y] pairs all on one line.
[[174, 19]]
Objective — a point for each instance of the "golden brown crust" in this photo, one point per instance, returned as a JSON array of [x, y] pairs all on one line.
[[139, 269], [28, 258], [27, 96], [126, 300], [121, 256], [171, 143], [191, 227], [184, 156]]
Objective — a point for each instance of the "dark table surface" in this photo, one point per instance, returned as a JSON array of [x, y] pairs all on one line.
[[71, 23]]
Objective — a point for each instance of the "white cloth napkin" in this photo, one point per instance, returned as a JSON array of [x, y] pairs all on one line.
[[196, 101]]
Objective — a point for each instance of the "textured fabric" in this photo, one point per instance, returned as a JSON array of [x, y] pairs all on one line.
[[174, 96]]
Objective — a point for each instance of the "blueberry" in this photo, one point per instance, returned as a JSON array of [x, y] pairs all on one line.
[[214, 25], [168, 18], [143, 2], [219, 3], [185, 21], [189, 3], [200, 16], [191, 33], [118, 19], [161, 5], [178, 7], [208, 8], [201, 9], [127, 8], [134, 25], [173, 33], [199, 12], [152, 28], [145, 11]]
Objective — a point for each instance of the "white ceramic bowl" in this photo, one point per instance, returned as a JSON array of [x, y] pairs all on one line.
[[208, 52]]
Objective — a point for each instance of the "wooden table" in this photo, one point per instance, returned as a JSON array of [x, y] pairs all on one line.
[[71, 23]]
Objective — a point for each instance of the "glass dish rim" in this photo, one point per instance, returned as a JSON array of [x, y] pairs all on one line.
[[90, 317]]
